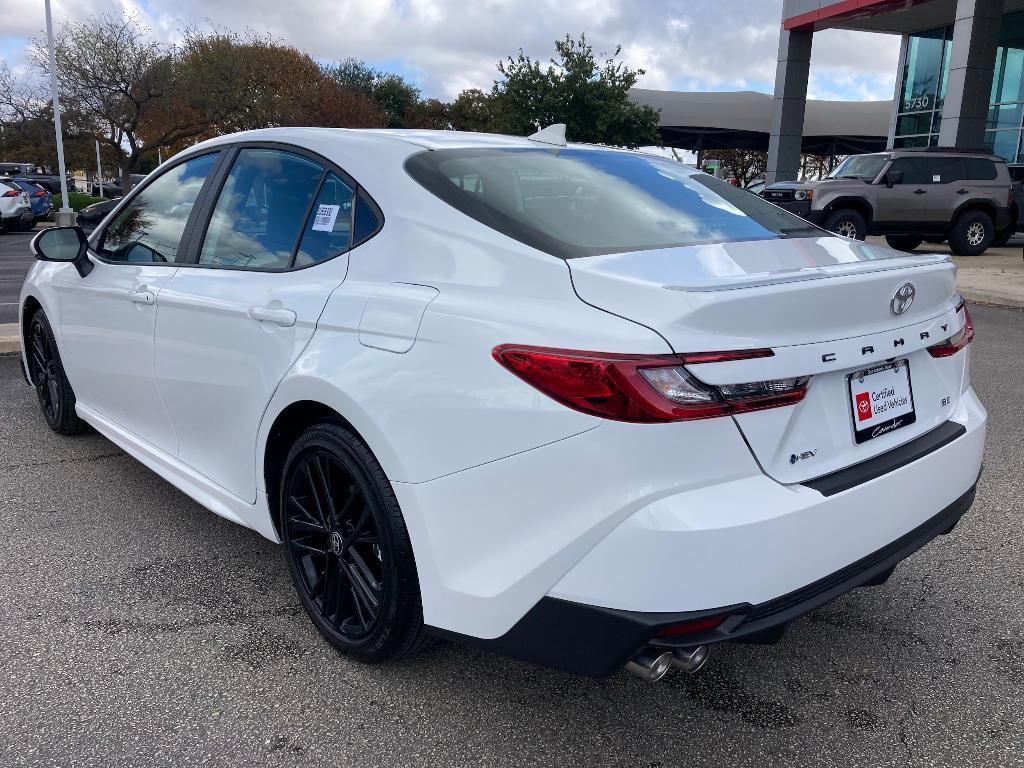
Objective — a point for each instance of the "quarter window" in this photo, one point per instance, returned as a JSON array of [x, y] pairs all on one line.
[[149, 229], [980, 169], [261, 210], [367, 221]]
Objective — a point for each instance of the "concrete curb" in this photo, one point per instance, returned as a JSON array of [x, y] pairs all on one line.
[[10, 341], [992, 299]]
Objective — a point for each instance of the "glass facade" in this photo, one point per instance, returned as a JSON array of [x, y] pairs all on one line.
[[924, 88]]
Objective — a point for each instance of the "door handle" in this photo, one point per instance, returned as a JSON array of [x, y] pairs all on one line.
[[282, 317], [142, 296], [920, 191], [961, 191]]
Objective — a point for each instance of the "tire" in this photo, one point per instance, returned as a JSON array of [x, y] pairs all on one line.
[[46, 371], [971, 234], [903, 242], [348, 549], [847, 223]]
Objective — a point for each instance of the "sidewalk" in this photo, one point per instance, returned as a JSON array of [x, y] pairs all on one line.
[[996, 277], [9, 341]]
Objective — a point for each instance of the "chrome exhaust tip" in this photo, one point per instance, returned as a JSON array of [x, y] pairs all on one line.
[[690, 660], [650, 666]]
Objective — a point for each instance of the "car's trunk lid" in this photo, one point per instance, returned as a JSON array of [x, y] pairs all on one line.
[[823, 305]]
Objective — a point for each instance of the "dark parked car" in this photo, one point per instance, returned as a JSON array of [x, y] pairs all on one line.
[[1016, 207], [113, 188], [49, 181], [90, 217]]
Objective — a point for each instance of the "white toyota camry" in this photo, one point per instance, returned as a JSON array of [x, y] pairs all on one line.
[[584, 407]]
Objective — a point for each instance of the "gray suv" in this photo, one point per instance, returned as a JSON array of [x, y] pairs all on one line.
[[908, 195]]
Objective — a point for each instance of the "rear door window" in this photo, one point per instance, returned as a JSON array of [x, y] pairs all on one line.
[[328, 231], [945, 170], [261, 210]]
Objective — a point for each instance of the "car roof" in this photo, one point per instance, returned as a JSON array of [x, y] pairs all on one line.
[[427, 139]]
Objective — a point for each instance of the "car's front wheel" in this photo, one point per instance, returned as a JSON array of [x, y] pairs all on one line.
[[46, 371], [848, 223], [972, 233], [348, 548]]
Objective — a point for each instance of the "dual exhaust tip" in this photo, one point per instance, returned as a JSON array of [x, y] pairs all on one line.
[[650, 665]]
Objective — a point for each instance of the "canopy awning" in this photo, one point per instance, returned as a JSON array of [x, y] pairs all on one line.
[[742, 120]]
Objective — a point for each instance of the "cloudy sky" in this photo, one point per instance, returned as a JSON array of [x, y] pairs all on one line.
[[447, 45]]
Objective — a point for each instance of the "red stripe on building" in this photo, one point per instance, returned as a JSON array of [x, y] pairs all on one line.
[[844, 10]]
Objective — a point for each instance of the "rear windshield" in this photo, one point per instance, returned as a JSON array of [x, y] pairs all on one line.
[[584, 202]]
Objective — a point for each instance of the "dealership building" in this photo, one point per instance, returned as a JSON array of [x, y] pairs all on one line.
[[960, 81]]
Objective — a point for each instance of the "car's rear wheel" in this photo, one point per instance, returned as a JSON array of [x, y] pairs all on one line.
[[348, 548], [848, 223], [903, 242], [972, 233], [53, 390]]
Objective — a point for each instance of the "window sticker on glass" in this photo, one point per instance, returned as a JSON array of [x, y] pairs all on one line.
[[326, 215]]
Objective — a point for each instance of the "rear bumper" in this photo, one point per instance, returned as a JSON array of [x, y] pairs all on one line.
[[597, 642], [20, 216], [570, 572]]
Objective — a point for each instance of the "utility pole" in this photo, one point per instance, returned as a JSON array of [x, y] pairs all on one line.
[[65, 216], [99, 168]]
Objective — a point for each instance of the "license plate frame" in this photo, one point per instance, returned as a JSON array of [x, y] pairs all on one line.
[[902, 418]]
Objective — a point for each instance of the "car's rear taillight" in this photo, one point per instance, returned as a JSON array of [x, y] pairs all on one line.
[[40, 193], [643, 388], [958, 340], [11, 193]]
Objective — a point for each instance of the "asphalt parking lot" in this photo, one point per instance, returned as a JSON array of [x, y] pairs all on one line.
[[15, 259], [139, 629]]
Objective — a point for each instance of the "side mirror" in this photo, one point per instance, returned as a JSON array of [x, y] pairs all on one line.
[[67, 244], [893, 177]]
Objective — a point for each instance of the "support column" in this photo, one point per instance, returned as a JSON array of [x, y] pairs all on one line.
[[971, 61], [787, 128], [900, 73]]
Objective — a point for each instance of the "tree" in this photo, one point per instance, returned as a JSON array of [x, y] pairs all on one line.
[[141, 96], [741, 164], [591, 98], [392, 94], [255, 82], [108, 66], [472, 110], [26, 127]]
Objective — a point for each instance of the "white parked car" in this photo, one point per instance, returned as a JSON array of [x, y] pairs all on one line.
[[15, 207], [585, 407]]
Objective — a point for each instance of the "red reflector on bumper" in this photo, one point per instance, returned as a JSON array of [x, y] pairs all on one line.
[[690, 627]]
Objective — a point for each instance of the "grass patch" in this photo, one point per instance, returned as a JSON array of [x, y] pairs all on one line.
[[78, 201]]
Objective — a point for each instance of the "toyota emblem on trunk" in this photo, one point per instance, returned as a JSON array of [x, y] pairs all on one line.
[[902, 299]]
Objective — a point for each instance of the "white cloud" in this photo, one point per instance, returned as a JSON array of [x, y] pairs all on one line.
[[448, 45]]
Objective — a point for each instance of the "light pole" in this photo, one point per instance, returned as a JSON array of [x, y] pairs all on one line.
[[65, 216], [99, 168]]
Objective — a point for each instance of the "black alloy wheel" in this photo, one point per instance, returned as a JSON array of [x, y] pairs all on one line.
[[347, 547], [56, 398]]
